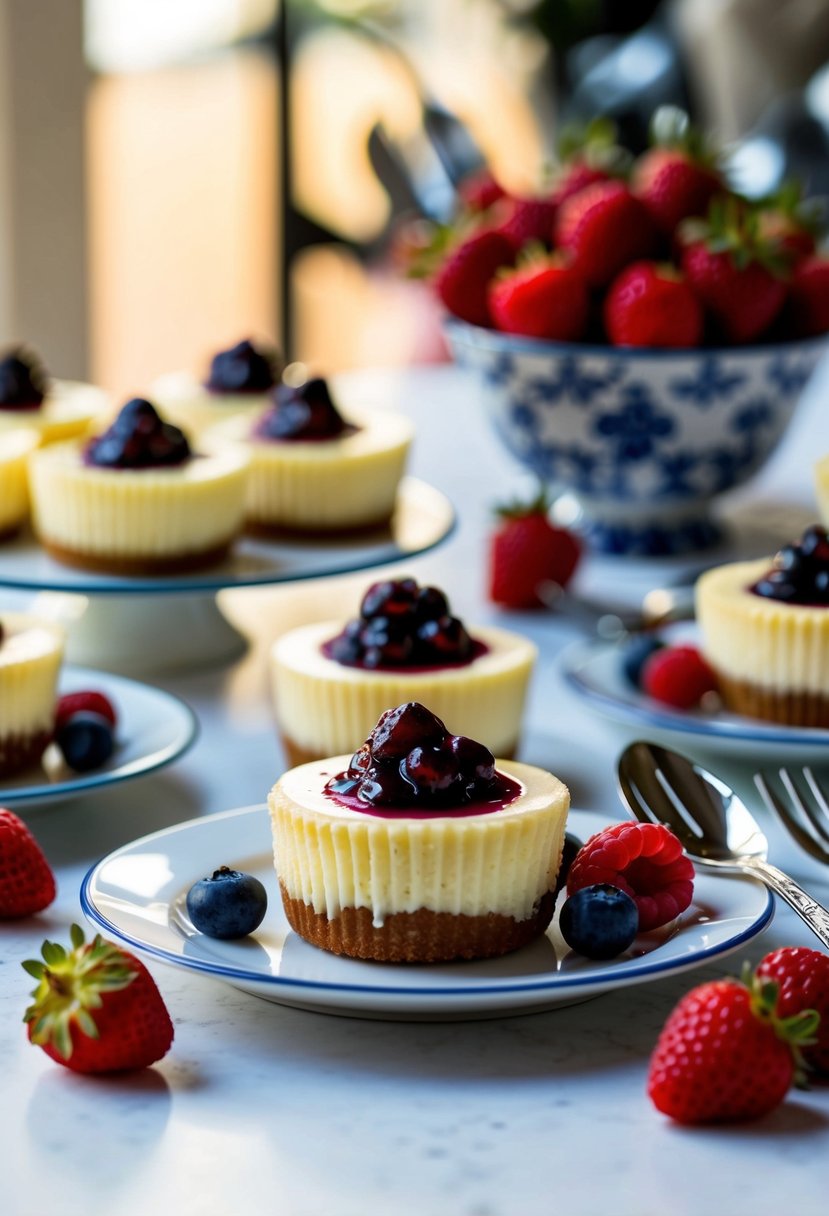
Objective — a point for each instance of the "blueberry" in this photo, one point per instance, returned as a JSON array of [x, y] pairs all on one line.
[[636, 653], [86, 741], [600, 921], [228, 904]]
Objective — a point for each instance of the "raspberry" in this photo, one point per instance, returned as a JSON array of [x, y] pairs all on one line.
[[87, 701], [678, 676], [803, 978], [646, 861]]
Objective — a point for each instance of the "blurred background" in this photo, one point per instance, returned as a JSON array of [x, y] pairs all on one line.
[[178, 174]]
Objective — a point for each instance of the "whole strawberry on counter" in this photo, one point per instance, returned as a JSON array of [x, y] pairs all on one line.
[[96, 1008], [526, 551], [727, 1053], [802, 976], [27, 884]]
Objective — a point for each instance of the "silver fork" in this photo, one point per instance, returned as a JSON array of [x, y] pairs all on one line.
[[803, 811]]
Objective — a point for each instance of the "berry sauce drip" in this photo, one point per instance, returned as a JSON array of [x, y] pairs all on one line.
[[243, 369], [403, 625], [800, 574], [138, 439], [23, 382], [302, 412], [411, 763]]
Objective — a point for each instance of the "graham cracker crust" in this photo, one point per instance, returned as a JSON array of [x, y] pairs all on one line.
[[789, 708], [179, 563], [18, 752], [416, 937]]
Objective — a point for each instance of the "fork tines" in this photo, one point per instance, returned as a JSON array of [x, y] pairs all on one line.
[[803, 809]]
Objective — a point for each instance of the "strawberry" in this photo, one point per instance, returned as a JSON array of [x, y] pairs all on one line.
[[479, 190], [463, 278], [808, 304], [678, 676], [677, 177], [588, 154], [790, 222], [646, 861], [526, 551], [650, 304], [543, 299], [96, 1008], [726, 1054], [602, 229], [85, 701], [27, 884], [802, 976], [738, 277], [527, 220]]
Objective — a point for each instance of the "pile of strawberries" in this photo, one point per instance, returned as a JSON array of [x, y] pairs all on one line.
[[656, 251]]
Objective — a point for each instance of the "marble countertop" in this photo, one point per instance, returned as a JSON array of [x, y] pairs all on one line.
[[263, 1108]]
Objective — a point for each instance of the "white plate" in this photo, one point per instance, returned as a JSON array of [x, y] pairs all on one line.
[[138, 892], [154, 728], [594, 671], [422, 519]]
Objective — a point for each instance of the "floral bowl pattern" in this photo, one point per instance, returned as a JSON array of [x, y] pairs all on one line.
[[642, 440]]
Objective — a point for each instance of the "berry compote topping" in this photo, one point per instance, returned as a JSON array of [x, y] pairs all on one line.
[[23, 382], [410, 762], [243, 369], [800, 573], [402, 624], [138, 439], [302, 412]]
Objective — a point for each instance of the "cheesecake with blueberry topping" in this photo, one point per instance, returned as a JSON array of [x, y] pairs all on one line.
[[16, 446], [56, 409], [764, 628], [137, 499], [317, 468], [239, 381], [419, 847], [331, 681], [31, 653]]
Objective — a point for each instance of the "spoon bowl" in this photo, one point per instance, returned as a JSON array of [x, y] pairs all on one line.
[[715, 826]]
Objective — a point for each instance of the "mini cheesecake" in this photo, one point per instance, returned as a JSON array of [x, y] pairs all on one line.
[[56, 409], [16, 446], [239, 381], [136, 500], [328, 689], [314, 469], [764, 628], [467, 871], [31, 653]]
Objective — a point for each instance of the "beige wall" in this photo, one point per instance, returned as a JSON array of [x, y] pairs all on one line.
[[43, 280]]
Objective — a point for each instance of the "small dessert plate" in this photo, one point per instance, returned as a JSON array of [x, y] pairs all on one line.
[[594, 671], [154, 728], [137, 894]]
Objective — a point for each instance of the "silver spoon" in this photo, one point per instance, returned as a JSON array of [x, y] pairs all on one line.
[[716, 828]]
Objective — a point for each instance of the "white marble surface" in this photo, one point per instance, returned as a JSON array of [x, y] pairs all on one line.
[[260, 1108]]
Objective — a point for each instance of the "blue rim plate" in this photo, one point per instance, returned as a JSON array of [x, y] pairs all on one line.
[[137, 895], [593, 671], [154, 729], [423, 519]]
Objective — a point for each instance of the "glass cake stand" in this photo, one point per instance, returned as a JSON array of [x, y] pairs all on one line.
[[174, 623]]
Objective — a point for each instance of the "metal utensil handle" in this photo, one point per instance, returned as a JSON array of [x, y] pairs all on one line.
[[807, 908]]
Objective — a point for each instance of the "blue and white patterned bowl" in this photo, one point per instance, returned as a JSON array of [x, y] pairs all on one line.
[[642, 440]]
